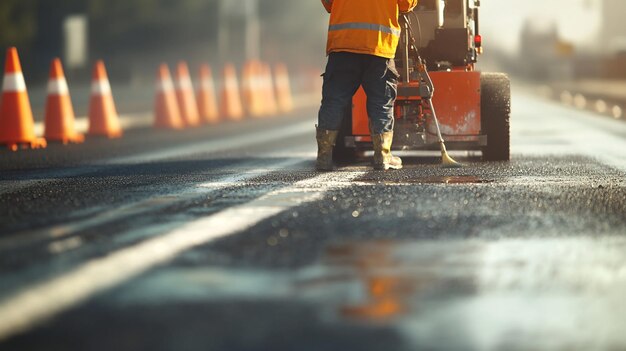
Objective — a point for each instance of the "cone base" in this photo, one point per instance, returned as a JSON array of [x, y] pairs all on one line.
[[209, 116], [37, 143], [108, 135], [209, 113], [71, 139], [167, 115]]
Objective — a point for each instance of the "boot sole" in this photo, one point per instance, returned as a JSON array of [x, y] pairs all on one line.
[[387, 167]]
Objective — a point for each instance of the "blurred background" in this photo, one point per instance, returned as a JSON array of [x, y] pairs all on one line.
[[557, 39], [533, 40], [133, 36]]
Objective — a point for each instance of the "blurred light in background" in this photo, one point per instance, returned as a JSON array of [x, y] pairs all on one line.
[[76, 43], [556, 39]]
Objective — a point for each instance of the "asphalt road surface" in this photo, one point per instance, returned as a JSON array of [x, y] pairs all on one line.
[[224, 238]]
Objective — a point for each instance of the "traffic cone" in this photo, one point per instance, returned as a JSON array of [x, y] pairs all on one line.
[[207, 102], [166, 111], [185, 96], [251, 89], [231, 100], [17, 127], [59, 118], [246, 88], [103, 118], [283, 89], [268, 90]]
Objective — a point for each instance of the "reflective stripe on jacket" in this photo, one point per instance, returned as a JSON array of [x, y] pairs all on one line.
[[365, 26]]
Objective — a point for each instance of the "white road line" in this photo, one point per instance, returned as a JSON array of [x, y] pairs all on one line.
[[128, 121], [144, 206], [222, 144], [240, 141], [42, 301]]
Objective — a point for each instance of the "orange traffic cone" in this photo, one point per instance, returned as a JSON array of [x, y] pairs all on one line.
[[268, 90], [251, 89], [283, 89], [207, 102], [103, 118], [185, 96], [246, 87], [17, 127], [166, 112], [231, 100], [59, 119]]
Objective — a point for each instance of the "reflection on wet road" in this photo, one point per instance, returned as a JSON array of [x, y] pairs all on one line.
[[250, 249], [524, 294]]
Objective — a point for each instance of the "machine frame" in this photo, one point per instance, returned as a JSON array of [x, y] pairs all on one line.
[[473, 108]]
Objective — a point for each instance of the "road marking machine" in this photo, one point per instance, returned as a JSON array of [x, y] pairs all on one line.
[[439, 47]]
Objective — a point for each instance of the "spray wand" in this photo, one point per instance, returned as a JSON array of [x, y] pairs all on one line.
[[427, 90]]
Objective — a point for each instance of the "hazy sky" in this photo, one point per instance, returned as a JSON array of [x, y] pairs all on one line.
[[577, 20]]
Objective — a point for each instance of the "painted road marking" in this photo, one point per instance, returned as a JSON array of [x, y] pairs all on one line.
[[42, 301], [147, 205], [213, 146], [237, 142]]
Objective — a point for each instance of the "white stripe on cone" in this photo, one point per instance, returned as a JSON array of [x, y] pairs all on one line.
[[14, 83], [184, 83], [256, 82], [207, 84], [100, 87], [165, 86], [230, 83], [58, 87]]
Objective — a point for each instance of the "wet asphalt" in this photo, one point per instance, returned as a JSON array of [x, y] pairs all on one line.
[[253, 250]]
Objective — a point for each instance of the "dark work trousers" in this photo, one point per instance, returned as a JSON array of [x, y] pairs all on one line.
[[345, 72]]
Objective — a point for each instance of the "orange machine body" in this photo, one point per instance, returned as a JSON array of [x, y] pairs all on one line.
[[439, 46], [456, 100]]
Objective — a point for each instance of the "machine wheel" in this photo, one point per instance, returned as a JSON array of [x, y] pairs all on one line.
[[495, 115], [341, 153]]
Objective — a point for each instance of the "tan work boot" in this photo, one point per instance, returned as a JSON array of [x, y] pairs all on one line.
[[325, 145], [383, 159]]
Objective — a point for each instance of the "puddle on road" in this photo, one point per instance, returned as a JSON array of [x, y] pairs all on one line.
[[385, 291], [375, 281], [429, 180], [437, 293]]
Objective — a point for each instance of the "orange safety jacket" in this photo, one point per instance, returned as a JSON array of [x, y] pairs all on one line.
[[365, 26]]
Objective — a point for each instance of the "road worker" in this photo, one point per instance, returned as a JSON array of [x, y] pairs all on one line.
[[362, 39]]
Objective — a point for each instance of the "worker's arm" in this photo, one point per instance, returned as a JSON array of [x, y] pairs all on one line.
[[328, 4], [406, 5]]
